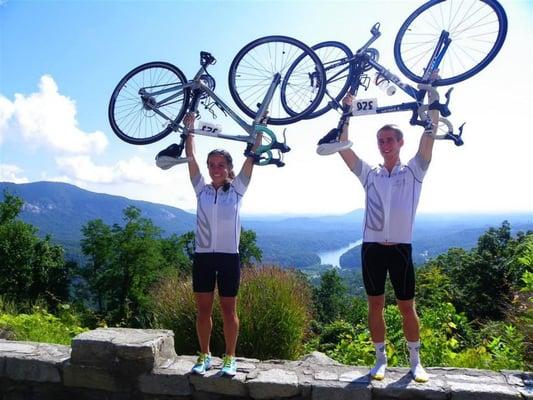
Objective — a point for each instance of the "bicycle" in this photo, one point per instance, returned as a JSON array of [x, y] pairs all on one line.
[[432, 39], [151, 100]]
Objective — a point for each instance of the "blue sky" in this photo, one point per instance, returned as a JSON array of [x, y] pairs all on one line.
[[60, 60]]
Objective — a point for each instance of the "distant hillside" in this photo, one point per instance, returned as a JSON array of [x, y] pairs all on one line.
[[60, 209], [434, 234]]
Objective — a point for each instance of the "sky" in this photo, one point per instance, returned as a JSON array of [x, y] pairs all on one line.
[[60, 61]]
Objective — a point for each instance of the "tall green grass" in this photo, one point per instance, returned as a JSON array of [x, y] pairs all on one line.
[[273, 307]]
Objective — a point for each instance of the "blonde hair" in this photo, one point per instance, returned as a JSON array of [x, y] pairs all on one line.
[[398, 134]]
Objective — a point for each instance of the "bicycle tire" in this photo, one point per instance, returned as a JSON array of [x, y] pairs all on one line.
[[130, 119], [338, 78], [251, 73], [483, 38]]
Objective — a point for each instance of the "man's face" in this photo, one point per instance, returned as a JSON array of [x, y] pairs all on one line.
[[388, 145]]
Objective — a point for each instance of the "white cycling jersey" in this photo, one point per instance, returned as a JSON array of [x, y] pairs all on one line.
[[391, 199], [218, 225]]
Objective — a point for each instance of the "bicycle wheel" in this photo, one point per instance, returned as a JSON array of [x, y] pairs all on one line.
[[253, 68], [334, 57], [477, 29], [147, 101]]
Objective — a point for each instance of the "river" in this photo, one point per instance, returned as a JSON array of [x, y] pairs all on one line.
[[332, 257]]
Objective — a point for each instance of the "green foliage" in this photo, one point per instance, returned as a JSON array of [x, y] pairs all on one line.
[[31, 268], [125, 262], [482, 281], [433, 286], [248, 249], [173, 307], [330, 297], [447, 338], [41, 326], [273, 308]]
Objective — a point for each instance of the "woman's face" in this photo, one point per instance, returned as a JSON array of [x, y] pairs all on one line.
[[218, 169]]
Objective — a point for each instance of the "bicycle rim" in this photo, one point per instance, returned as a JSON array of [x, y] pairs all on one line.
[[253, 68], [477, 29], [133, 117], [338, 74]]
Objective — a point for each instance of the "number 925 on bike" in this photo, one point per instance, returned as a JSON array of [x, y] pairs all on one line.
[[364, 106]]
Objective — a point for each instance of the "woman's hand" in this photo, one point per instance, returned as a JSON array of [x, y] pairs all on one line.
[[188, 121]]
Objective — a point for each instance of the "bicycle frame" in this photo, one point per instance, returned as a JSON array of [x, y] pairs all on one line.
[[197, 89], [363, 59]]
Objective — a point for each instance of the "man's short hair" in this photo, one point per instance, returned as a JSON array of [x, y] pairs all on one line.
[[390, 127]]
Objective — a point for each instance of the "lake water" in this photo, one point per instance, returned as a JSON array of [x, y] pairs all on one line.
[[332, 257]]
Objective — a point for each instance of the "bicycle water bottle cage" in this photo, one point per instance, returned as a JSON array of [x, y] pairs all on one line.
[[207, 59]]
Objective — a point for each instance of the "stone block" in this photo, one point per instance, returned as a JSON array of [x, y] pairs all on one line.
[[482, 391], [81, 376], [337, 390], [273, 383], [172, 380], [28, 361], [124, 350], [212, 382], [355, 375], [318, 358]]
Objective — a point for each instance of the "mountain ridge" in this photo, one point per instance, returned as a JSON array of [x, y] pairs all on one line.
[[61, 209]]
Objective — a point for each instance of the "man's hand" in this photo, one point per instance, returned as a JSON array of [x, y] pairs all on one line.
[[348, 100]]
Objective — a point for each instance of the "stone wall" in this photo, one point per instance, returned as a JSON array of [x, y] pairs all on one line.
[[120, 364]]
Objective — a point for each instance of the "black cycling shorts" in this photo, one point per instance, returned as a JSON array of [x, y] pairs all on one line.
[[377, 259], [222, 268]]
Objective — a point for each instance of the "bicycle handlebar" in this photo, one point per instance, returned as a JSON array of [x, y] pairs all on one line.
[[263, 154]]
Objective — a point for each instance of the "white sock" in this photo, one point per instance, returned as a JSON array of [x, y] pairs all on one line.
[[378, 372], [417, 370]]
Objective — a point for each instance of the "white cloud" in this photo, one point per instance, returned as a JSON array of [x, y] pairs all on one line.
[[11, 173], [47, 118], [6, 111], [134, 170], [83, 168]]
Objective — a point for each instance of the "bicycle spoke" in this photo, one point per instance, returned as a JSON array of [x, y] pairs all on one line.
[[476, 29]]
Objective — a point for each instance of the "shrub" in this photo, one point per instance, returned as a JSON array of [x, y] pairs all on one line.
[[273, 308], [41, 326]]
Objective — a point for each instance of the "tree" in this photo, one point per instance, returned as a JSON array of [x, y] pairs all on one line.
[[482, 280], [330, 298], [97, 243], [172, 250], [125, 262], [30, 268], [248, 248]]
